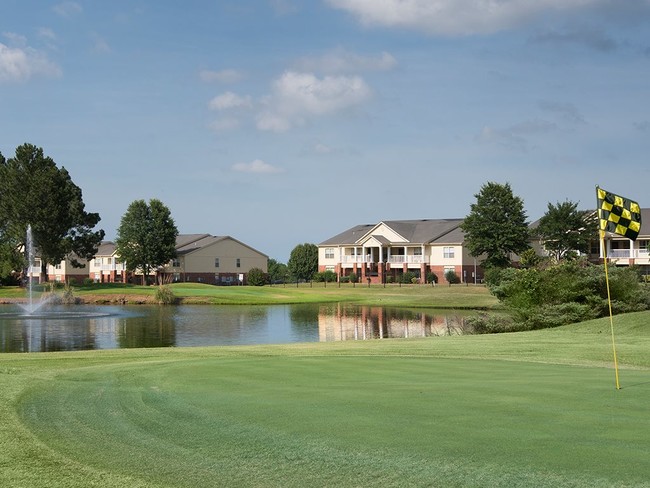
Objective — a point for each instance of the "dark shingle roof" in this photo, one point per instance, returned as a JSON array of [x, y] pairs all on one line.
[[414, 231]]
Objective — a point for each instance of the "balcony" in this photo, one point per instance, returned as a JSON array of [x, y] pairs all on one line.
[[628, 254], [406, 259]]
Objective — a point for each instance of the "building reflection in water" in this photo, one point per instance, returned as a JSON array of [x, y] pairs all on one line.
[[344, 322]]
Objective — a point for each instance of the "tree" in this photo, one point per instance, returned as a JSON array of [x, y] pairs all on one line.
[[496, 225], [36, 192], [303, 261], [564, 229], [146, 237], [278, 272]]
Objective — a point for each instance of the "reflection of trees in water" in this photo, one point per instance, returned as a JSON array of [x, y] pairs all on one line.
[[155, 329], [350, 322], [36, 335]]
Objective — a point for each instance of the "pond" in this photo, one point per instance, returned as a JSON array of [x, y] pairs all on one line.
[[84, 327]]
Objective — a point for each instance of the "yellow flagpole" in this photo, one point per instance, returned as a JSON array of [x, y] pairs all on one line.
[[609, 302]]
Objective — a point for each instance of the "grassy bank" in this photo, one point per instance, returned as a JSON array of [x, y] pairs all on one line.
[[457, 296], [525, 409]]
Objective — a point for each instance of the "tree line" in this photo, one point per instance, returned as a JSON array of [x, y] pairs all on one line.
[[36, 193]]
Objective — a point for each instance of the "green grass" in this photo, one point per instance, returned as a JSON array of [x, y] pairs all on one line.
[[456, 297], [524, 409]]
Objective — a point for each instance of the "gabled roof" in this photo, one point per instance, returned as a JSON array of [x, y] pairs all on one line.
[[106, 248], [424, 231], [188, 243]]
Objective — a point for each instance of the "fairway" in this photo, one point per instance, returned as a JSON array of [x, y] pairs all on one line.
[[460, 411]]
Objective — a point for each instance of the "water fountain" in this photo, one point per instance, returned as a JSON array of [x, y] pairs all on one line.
[[35, 306]]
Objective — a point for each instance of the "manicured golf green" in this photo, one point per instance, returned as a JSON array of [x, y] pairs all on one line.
[[526, 409]]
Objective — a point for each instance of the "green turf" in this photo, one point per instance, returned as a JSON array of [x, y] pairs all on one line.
[[526, 409], [457, 296]]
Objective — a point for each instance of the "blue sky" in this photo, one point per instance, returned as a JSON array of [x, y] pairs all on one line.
[[280, 122]]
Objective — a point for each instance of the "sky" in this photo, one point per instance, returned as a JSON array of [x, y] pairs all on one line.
[[281, 122]]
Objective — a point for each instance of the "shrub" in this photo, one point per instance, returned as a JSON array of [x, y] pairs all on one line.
[[165, 296], [407, 278], [484, 323], [432, 278], [256, 277], [568, 292], [353, 278], [451, 277]]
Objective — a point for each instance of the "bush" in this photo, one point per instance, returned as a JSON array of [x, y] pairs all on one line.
[[327, 276], [353, 278], [165, 296], [408, 277], [451, 277], [256, 277], [568, 292], [484, 323], [432, 278]]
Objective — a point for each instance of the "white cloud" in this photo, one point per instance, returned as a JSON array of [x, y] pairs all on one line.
[[15, 39], [225, 124], [230, 100], [296, 96], [456, 17], [46, 33], [67, 9], [340, 61], [272, 122], [21, 64], [222, 76], [256, 166]]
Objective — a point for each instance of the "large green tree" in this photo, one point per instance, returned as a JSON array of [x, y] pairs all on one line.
[[34, 191], [146, 237], [303, 261], [496, 226], [278, 272], [565, 230]]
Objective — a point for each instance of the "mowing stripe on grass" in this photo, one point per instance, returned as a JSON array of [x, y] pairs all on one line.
[[348, 421]]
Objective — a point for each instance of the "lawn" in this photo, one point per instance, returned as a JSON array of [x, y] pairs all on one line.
[[456, 297], [523, 409]]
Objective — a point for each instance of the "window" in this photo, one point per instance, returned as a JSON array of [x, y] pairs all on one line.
[[448, 252], [417, 251], [57, 266], [109, 260], [329, 253], [175, 263], [216, 262], [238, 263], [98, 262]]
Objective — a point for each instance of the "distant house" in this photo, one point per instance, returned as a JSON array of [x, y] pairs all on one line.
[[218, 260], [64, 272], [385, 251], [105, 267]]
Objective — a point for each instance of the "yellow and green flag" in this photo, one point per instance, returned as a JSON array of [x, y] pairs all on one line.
[[618, 214]]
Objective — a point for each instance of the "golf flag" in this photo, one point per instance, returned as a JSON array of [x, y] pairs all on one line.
[[618, 215]]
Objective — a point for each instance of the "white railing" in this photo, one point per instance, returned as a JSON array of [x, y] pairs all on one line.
[[400, 259], [406, 259], [356, 259], [112, 267], [628, 253]]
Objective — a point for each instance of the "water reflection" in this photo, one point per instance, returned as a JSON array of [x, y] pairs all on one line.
[[343, 322], [113, 327]]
